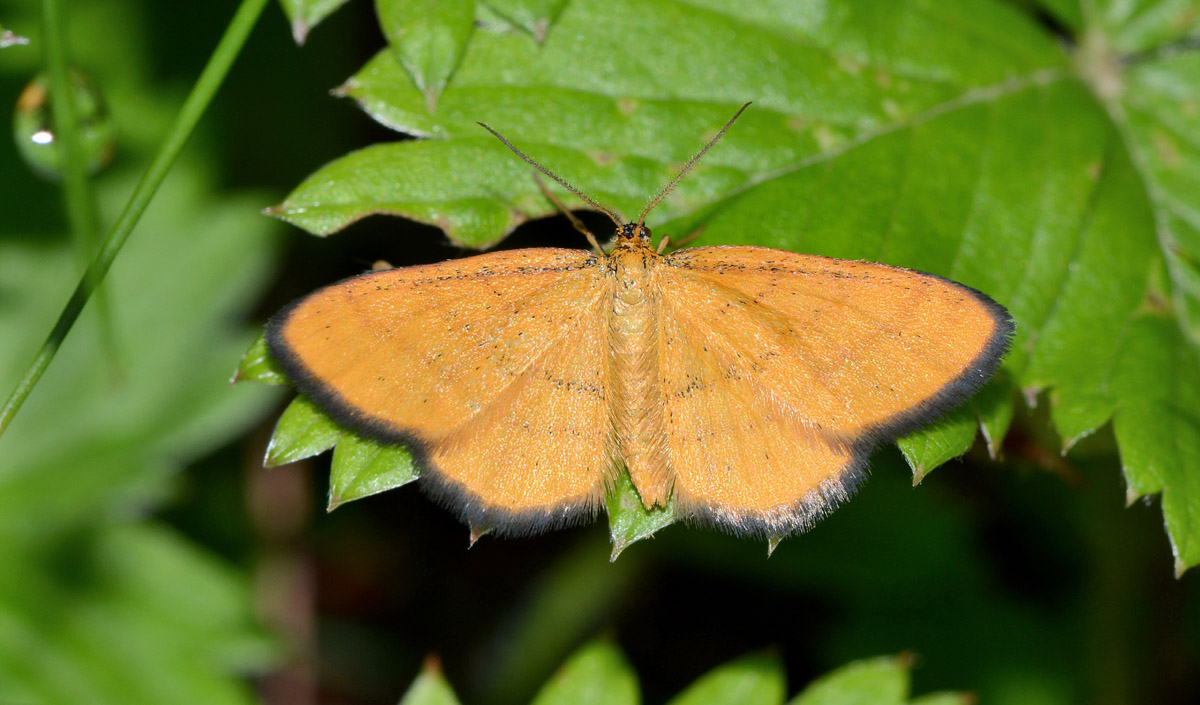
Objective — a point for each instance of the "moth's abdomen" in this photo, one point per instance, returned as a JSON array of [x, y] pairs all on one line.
[[636, 403]]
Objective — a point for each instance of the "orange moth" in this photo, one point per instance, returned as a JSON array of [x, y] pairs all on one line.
[[748, 384]]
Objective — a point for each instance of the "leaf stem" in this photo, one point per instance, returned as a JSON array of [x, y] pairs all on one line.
[[193, 108], [78, 193]]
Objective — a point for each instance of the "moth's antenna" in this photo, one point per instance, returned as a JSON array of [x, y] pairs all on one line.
[[691, 163], [556, 177], [576, 222]]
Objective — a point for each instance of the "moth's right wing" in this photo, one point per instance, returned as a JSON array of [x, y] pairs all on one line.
[[492, 367]]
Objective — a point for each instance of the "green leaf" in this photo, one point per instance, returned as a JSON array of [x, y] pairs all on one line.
[[1144, 24], [1066, 11], [1158, 110], [429, 38], [930, 447], [1153, 102], [878, 681], [596, 674], [362, 468], [628, 519], [303, 431], [945, 699], [756, 679], [338, 195], [430, 687], [599, 674], [995, 409], [991, 409], [257, 365], [306, 14], [609, 128], [534, 16], [1157, 424]]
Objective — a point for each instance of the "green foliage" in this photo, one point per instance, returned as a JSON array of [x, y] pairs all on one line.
[[101, 616], [1059, 182], [599, 674], [754, 680], [102, 438], [962, 138], [100, 603], [428, 39], [257, 365]]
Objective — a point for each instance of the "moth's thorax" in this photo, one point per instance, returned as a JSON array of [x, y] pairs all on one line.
[[632, 260], [633, 358]]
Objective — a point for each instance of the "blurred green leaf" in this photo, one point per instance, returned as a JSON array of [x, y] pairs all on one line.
[[1057, 184], [756, 679], [596, 674], [430, 688], [103, 616], [306, 14], [429, 38], [92, 438], [1138, 25], [599, 674], [95, 608], [878, 681], [945, 699], [1065, 11]]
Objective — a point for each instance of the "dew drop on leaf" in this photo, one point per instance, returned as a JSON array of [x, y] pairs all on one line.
[[33, 126], [8, 39]]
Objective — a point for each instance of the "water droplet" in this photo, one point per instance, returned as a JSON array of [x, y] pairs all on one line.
[[33, 126], [8, 39]]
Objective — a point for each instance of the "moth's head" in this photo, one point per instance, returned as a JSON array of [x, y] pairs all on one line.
[[634, 231]]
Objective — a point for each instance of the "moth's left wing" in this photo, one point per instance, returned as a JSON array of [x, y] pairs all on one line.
[[782, 371]]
